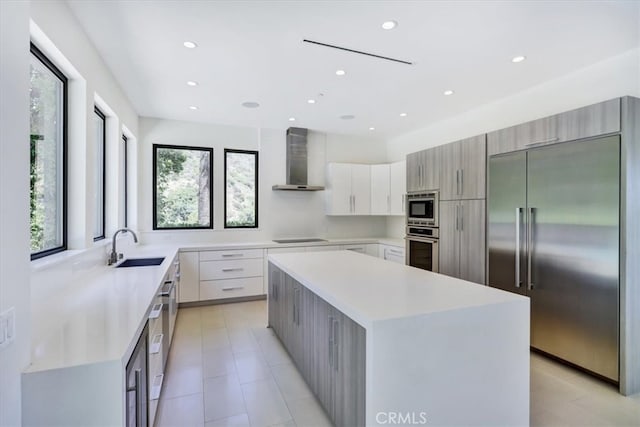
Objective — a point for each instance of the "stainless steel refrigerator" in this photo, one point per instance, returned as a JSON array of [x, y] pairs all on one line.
[[553, 235]]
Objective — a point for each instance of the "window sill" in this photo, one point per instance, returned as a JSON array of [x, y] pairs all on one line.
[[65, 256]]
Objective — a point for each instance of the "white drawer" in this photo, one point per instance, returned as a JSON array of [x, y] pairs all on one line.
[[231, 254], [215, 270], [230, 288], [323, 248]]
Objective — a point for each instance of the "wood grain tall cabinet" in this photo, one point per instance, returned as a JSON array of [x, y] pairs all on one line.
[[462, 181]]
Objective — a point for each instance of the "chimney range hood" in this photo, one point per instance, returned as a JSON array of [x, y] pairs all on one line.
[[297, 163]]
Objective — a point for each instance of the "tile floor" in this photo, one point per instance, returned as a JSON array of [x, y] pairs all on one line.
[[227, 369]]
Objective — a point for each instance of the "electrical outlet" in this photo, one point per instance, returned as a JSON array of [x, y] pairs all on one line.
[[7, 327]]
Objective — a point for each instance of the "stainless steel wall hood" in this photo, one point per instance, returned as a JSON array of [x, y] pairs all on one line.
[[297, 162]]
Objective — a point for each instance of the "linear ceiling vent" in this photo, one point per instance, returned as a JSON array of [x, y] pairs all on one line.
[[359, 52], [297, 162]]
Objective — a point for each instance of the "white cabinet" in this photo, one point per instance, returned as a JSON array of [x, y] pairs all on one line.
[[392, 253], [388, 187], [348, 189], [231, 273], [380, 189], [189, 277], [398, 187]]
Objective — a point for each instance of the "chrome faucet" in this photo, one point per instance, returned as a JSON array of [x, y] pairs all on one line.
[[114, 256]]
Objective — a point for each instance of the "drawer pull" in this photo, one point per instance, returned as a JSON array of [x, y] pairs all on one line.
[[546, 141], [155, 311], [226, 270], [231, 255], [156, 386], [394, 252], [232, 288], [156, 344]]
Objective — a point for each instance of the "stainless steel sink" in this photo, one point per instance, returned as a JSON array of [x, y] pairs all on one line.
[[140, 262], [298, 240]]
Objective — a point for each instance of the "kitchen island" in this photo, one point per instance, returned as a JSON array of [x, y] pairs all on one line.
[[383, 343]]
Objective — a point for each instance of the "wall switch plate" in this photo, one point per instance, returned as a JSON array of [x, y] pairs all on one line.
[[7, 327]]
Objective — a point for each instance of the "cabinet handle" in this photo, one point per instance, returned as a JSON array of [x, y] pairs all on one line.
[[154, 393], [156, 343], [231, 255], [226, 270], [330, 341], [335, 344], [461, 217], [517, 275], [461, 182], [155, 311], [394, 252], [530, 249], [232, 288], [457, 226], [458, 181]]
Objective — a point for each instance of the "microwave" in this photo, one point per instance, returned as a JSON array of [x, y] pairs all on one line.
[[422, 208]]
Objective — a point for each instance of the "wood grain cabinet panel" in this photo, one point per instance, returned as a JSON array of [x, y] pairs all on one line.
[[327, 347], [462, 239], [593, 120]]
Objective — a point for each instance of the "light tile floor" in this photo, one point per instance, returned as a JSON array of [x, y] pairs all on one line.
[[227, 369]]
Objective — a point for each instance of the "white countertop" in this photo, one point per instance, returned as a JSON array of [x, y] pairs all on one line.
[[97, 317], [191, 247], [369, 289]]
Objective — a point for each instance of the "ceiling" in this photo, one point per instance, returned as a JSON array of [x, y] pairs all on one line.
[[253, 51]]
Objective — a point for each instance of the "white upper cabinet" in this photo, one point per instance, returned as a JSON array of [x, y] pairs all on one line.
[[398, 187], [380, 189], [348, 189], [388, 187]]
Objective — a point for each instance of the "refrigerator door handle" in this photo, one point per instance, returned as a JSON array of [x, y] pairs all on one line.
[[518, 212], [530, 248]]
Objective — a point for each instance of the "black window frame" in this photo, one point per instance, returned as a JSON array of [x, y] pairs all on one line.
[[256, 154], [126, 180], [155, 185], [100, 114], [64, 187]]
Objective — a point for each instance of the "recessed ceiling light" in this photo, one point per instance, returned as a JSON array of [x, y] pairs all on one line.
[[389, 25], [311, 101], [292, 119], [348, 117], [517, 59], [372, 128], [190, 45], [193, 107], [192, 83], [403, 114], [250, 104], [448, 92], [340, 73]]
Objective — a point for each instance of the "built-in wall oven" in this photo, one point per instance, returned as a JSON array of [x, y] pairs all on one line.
[[422, 230], [422, 247], [422, 208]]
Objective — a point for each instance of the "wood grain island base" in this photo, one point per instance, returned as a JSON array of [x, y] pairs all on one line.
[[382, 343]]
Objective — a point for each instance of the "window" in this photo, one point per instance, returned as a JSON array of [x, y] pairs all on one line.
[[182, 190], [48, 118], [125, 193], [241, 189], [99, 175]]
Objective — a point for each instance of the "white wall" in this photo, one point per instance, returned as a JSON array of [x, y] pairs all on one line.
[[56, 31], [281, 213], [614, 77], [14, 200]]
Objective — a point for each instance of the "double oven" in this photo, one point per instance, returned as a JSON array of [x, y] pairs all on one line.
[[422, 230]]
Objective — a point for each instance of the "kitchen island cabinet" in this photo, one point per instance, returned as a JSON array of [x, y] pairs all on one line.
[[392, 339]]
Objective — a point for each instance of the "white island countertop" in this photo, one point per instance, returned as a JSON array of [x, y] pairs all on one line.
[[368, 290], [438, 351]]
